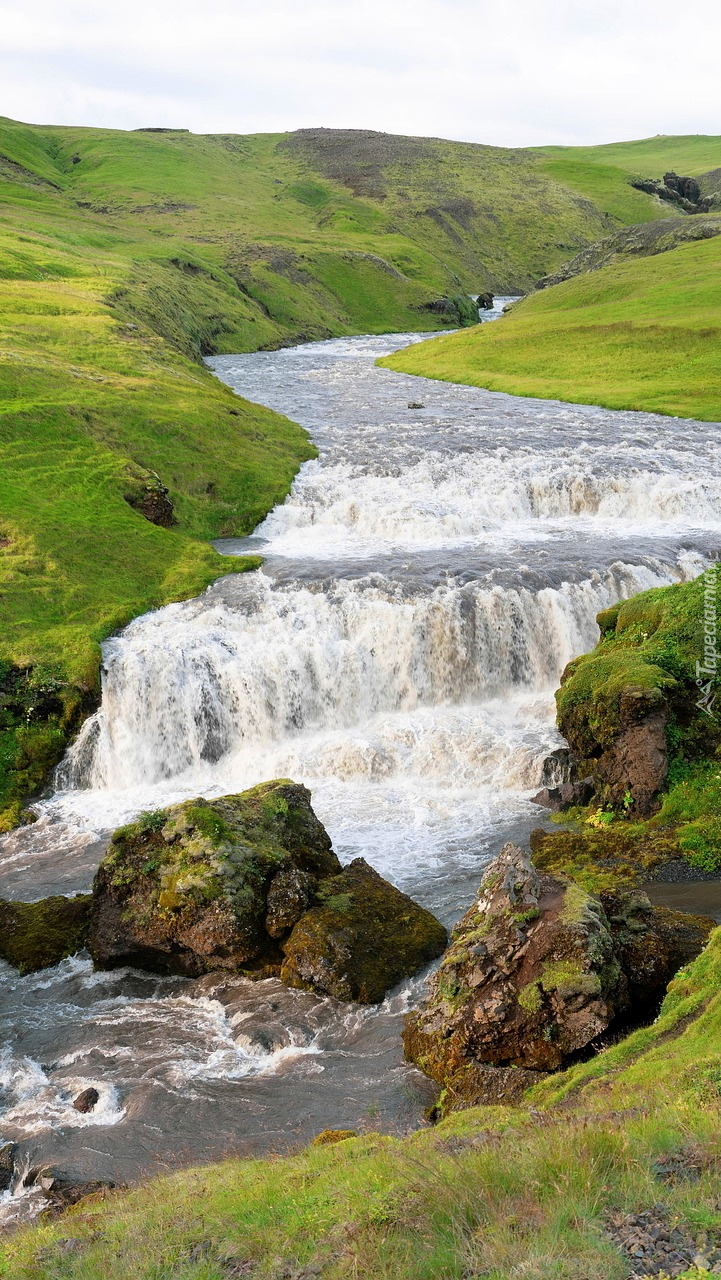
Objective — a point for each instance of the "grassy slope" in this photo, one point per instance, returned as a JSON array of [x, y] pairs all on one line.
[[494, 1192], [638, 334], [602, 173], [489, 1192]]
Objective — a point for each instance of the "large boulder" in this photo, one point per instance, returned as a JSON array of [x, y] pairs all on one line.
[[250, 883], [186, 890], [537, 971], [362, 938], [35, 935], [641, 698]]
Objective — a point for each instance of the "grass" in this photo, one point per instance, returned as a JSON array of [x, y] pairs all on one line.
[[639, 334], [126, 257], [495, 1192], [601, 173]]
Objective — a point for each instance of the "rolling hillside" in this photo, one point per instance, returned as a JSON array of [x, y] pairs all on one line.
[[639, 333], [127, 257]]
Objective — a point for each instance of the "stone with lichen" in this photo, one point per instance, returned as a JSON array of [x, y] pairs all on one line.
[[537, 971], [250, 883]]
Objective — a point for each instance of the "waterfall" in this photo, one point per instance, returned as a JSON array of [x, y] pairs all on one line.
[[192, 683]]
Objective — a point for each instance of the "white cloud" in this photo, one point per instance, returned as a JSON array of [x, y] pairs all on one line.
[[510, 72]]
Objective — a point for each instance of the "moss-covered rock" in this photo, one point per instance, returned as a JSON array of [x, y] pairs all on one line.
[[362, 938], [35, 935], [250, 883], [39, 712], [605, 857], [537, 971], [186, 890], [644, 697]]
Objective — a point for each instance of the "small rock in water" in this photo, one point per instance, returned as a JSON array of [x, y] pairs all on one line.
[[415, 404], [86, 1100]]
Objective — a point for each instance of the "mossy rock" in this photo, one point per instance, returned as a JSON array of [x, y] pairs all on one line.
[[185, 890], [362, 938], [621, 855], [329, 1137], [36, 935], [637, 703], [537, 970]]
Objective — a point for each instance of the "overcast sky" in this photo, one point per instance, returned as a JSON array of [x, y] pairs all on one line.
[[512, 72]]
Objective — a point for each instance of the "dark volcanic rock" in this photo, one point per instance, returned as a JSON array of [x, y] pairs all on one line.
[[565, 795], [86, 1100], [362, 938], [7, 1165], [250, 882], [35, 935], [536, 972], [289, 896], [644, 240], [627, 757], [484, 301], [651, 944]]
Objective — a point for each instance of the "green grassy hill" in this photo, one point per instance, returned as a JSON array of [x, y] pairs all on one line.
[[637, 334], [126, 257]]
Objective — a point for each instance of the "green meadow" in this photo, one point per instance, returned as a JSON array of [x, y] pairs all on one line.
[[124, 259], [638, 334]]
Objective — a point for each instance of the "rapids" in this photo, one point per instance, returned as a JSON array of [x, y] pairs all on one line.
[[423, 587]]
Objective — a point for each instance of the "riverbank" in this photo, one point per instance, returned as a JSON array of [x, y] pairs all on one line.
[[562, 1182], [398, 654], [120, 457], [127, 257], [639, 334]]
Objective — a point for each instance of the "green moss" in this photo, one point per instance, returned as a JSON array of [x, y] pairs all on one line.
[[36, 935], [568, 978], [530, 998], [209, 823], [526, 917], [361, 938]]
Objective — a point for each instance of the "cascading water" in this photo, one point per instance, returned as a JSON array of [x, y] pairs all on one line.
[[423, 587]]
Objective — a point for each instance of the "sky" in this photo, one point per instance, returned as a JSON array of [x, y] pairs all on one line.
[[509, 72]]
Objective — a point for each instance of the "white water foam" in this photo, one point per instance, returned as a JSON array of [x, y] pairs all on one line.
[[441, 500], [192, 684]]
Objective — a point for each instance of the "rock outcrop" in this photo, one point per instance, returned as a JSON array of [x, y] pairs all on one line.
[[537, 971], [361, 938], [146, 494], [460, 310], [644, 240], [8, 1152], [677, 189], [250, 883], [35, 935], [186, 889]]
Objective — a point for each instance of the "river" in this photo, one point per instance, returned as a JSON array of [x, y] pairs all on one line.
[[422, 589]]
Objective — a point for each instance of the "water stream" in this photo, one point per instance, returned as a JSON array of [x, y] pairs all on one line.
[[423, 587]]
